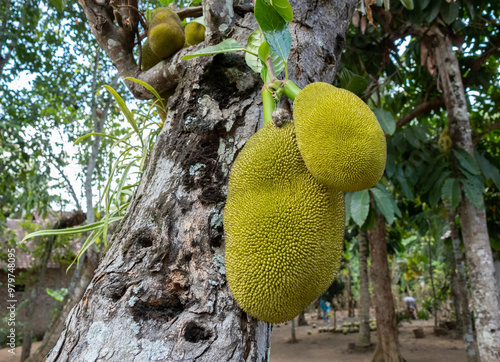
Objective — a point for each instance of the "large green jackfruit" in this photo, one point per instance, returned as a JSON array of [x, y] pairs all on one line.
[[339, 137], [166, 33], [195, 33], [149, 59], [283, 229]]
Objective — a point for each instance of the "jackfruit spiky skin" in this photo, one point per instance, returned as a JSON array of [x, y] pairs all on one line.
[[149, 59], [195, 33], [444, 142], [166, 33], [283, 229], [339, 137]]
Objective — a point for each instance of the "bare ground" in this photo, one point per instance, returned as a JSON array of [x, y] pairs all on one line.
[[329, 347]]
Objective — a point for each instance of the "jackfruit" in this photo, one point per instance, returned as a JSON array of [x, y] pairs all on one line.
[[444, 142], [283, 229], [195, 33], [166, 33], [149, 59], [339, 137]]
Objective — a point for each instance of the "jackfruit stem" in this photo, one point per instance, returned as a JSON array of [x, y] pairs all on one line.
[[268, 104], [290, 89]]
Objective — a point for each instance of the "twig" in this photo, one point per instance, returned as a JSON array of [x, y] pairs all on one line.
[[482, 134]]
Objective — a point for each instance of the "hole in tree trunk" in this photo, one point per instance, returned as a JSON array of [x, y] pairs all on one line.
[[194, 333]]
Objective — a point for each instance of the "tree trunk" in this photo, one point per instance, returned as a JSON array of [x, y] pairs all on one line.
[[364, 293], [387, 349], [294, 337], [485, 291], [302, 319], [465, 318], [348, 293], [160, 292]]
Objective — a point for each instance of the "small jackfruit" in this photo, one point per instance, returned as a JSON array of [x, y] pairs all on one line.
[[444, 142], [283, 229], [195, 33], [166, 33], [149, 59], [339, 137]]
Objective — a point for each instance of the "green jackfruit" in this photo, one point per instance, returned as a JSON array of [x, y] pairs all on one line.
[[166, 33], [283, 229], [195, 33], [444, 142], [339, 137], [149, 59]]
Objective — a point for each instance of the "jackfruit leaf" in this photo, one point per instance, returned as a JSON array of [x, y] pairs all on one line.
[[409, 134], [403, 182], [408, 4], [226, 46], [59, 5], [348, 198], [466, 162], [57, 294], [473, 189], [352, 82], [360, 206], [386, 120], [274, 27], [451, 192], [449, 11], [384, 202], [258, 45], [435, 193], [489, 171], [433, 11], [283, 8]]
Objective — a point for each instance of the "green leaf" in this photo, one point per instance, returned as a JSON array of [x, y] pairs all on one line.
[[432, 11], [226, 46], [404, 184], [360, 206], [489, 171], [352, 82], [473, 189], [275, 29], [128, 115], [407, 4], [148, 87], [283, 8], [449, 11], [447, 191], [200, 20], [384, 202], [59, 5], [386, 120], [57, 294], [253, 44], [466, 161], [258, 45]]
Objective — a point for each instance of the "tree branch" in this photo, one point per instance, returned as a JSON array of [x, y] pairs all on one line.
[[71, 189], [420, 110], [191, 12], [118, 43], [491, 128]]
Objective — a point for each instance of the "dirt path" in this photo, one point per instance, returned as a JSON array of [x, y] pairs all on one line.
[[328, 347], [5, 356]]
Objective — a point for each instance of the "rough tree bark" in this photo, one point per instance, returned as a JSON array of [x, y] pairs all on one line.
[[160, 292], [364, 292], [464, 315], [485, 293], [302, 319], [387, 349]]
